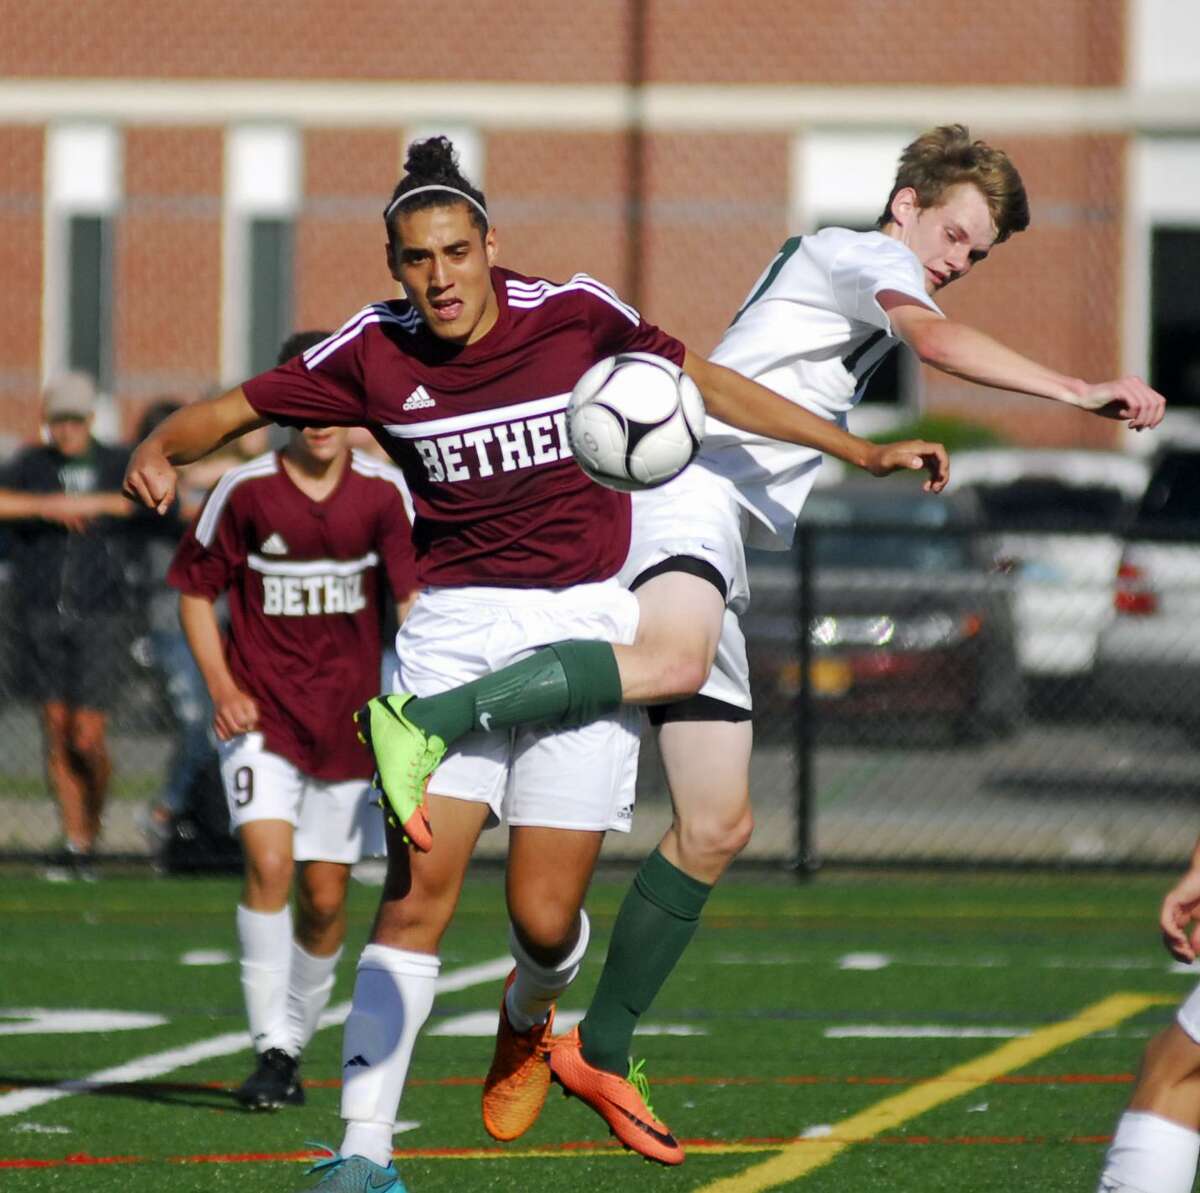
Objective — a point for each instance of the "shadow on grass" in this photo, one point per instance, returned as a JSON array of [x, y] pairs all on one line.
[[196, 1095]]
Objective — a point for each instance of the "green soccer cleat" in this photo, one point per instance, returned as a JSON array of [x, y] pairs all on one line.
[[405, 757], [353, 1174]]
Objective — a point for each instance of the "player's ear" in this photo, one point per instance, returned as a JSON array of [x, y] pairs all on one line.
[[905, 206], [391, 260], [489, 247]]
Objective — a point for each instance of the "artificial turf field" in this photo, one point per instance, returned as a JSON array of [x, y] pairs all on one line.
[[857, 1032]]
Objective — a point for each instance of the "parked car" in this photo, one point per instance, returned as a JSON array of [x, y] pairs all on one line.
[[1148, 660], [908, 624], [1056, 519]]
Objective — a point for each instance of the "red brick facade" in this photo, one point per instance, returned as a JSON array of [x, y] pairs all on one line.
[[712, 208]]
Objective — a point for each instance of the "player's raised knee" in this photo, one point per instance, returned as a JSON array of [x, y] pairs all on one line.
[[718, 833], [682, 676]]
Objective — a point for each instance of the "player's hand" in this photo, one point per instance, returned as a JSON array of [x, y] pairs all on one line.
[[150, 477], [234, 713], [1178, 911], [912, 454], [1128, 400]]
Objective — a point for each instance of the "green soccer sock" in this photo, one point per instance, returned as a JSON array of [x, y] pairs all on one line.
[[656, 921], [565, 684]]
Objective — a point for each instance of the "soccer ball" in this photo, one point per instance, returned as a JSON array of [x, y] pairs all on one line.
[[635, 421]]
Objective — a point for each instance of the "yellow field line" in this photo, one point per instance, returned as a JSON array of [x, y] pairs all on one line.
[[802, 1157]]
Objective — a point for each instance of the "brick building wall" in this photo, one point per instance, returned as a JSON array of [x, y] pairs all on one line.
[[715, 201]]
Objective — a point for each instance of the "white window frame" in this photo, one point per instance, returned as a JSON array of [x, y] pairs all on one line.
[[1163, 186], [1164, 37], [83, 177], [263, 180]]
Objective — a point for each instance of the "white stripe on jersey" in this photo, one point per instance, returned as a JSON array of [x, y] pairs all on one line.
[[527, 295], [366, 465], [479, 418], [376, 313], [206, 528], [311, 567]]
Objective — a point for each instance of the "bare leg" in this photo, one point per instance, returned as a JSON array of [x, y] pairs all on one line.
[[678, 632], [708, 771], [548, 875], [64, 775], [1168, 1082], [90, 748], [267, 847], [321, 906], [1156, 1143]]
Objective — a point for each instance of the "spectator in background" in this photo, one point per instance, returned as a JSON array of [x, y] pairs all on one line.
[[70, 553]]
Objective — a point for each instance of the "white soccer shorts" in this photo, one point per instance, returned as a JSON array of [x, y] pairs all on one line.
[[698, 515], [583, 778], [334, 821]]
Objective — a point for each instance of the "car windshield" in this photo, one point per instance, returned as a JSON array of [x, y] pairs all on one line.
[[1050, 505], [903, 533]]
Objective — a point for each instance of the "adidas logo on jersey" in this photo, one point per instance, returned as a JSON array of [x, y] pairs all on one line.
[[419, 399], [357, 1062], [274, 545]]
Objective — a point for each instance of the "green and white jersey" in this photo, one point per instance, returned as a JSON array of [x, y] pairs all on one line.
[[813, 331]]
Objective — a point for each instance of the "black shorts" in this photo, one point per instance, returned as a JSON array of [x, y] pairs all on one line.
[[81, 661]]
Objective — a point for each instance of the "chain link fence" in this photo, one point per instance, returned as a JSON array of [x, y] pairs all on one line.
[[927, 690], [173, 203]]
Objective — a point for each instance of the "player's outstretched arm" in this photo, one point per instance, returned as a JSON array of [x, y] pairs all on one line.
[[187, 435], [234, 711], [743, 403], [1178, 915], [963, 351]]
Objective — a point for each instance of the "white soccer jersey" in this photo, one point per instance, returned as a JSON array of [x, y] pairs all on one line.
[[813, 331]]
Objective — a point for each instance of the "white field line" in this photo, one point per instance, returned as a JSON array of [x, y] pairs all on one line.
[[158, 1063]]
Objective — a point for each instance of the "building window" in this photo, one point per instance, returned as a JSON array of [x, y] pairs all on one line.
[[262, 199], [83, 195], [271, 286], [1175, 315], [89, 296]]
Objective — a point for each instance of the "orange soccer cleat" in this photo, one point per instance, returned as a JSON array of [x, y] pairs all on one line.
[[515, 1088], [622, 1102]]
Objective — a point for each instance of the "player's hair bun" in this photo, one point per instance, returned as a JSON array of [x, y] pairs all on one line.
[[433, 159]]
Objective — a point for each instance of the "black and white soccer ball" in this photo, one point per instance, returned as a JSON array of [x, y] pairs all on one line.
[[635, 421]]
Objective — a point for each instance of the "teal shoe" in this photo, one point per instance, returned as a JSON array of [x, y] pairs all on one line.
[[353, 1174]]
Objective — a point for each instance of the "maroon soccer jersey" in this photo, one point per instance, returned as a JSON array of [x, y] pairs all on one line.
[[305, 588], [480, 431]]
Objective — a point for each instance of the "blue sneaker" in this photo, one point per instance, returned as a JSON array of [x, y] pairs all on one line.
[[354, 1174]]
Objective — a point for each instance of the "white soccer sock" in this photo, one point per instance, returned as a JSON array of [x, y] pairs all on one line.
[[265, 938], [393, 995], [1150, 1154], [536, 986], [309, 988]]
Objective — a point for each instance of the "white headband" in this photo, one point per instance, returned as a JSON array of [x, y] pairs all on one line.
[[437, 186]]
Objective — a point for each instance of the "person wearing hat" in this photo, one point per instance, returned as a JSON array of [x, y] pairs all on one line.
[[70, 547]]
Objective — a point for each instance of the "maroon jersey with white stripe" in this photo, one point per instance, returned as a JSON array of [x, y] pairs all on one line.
[[305, 585], [480, 431]]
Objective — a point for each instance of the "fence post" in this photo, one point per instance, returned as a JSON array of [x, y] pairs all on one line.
[[806, 862]]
